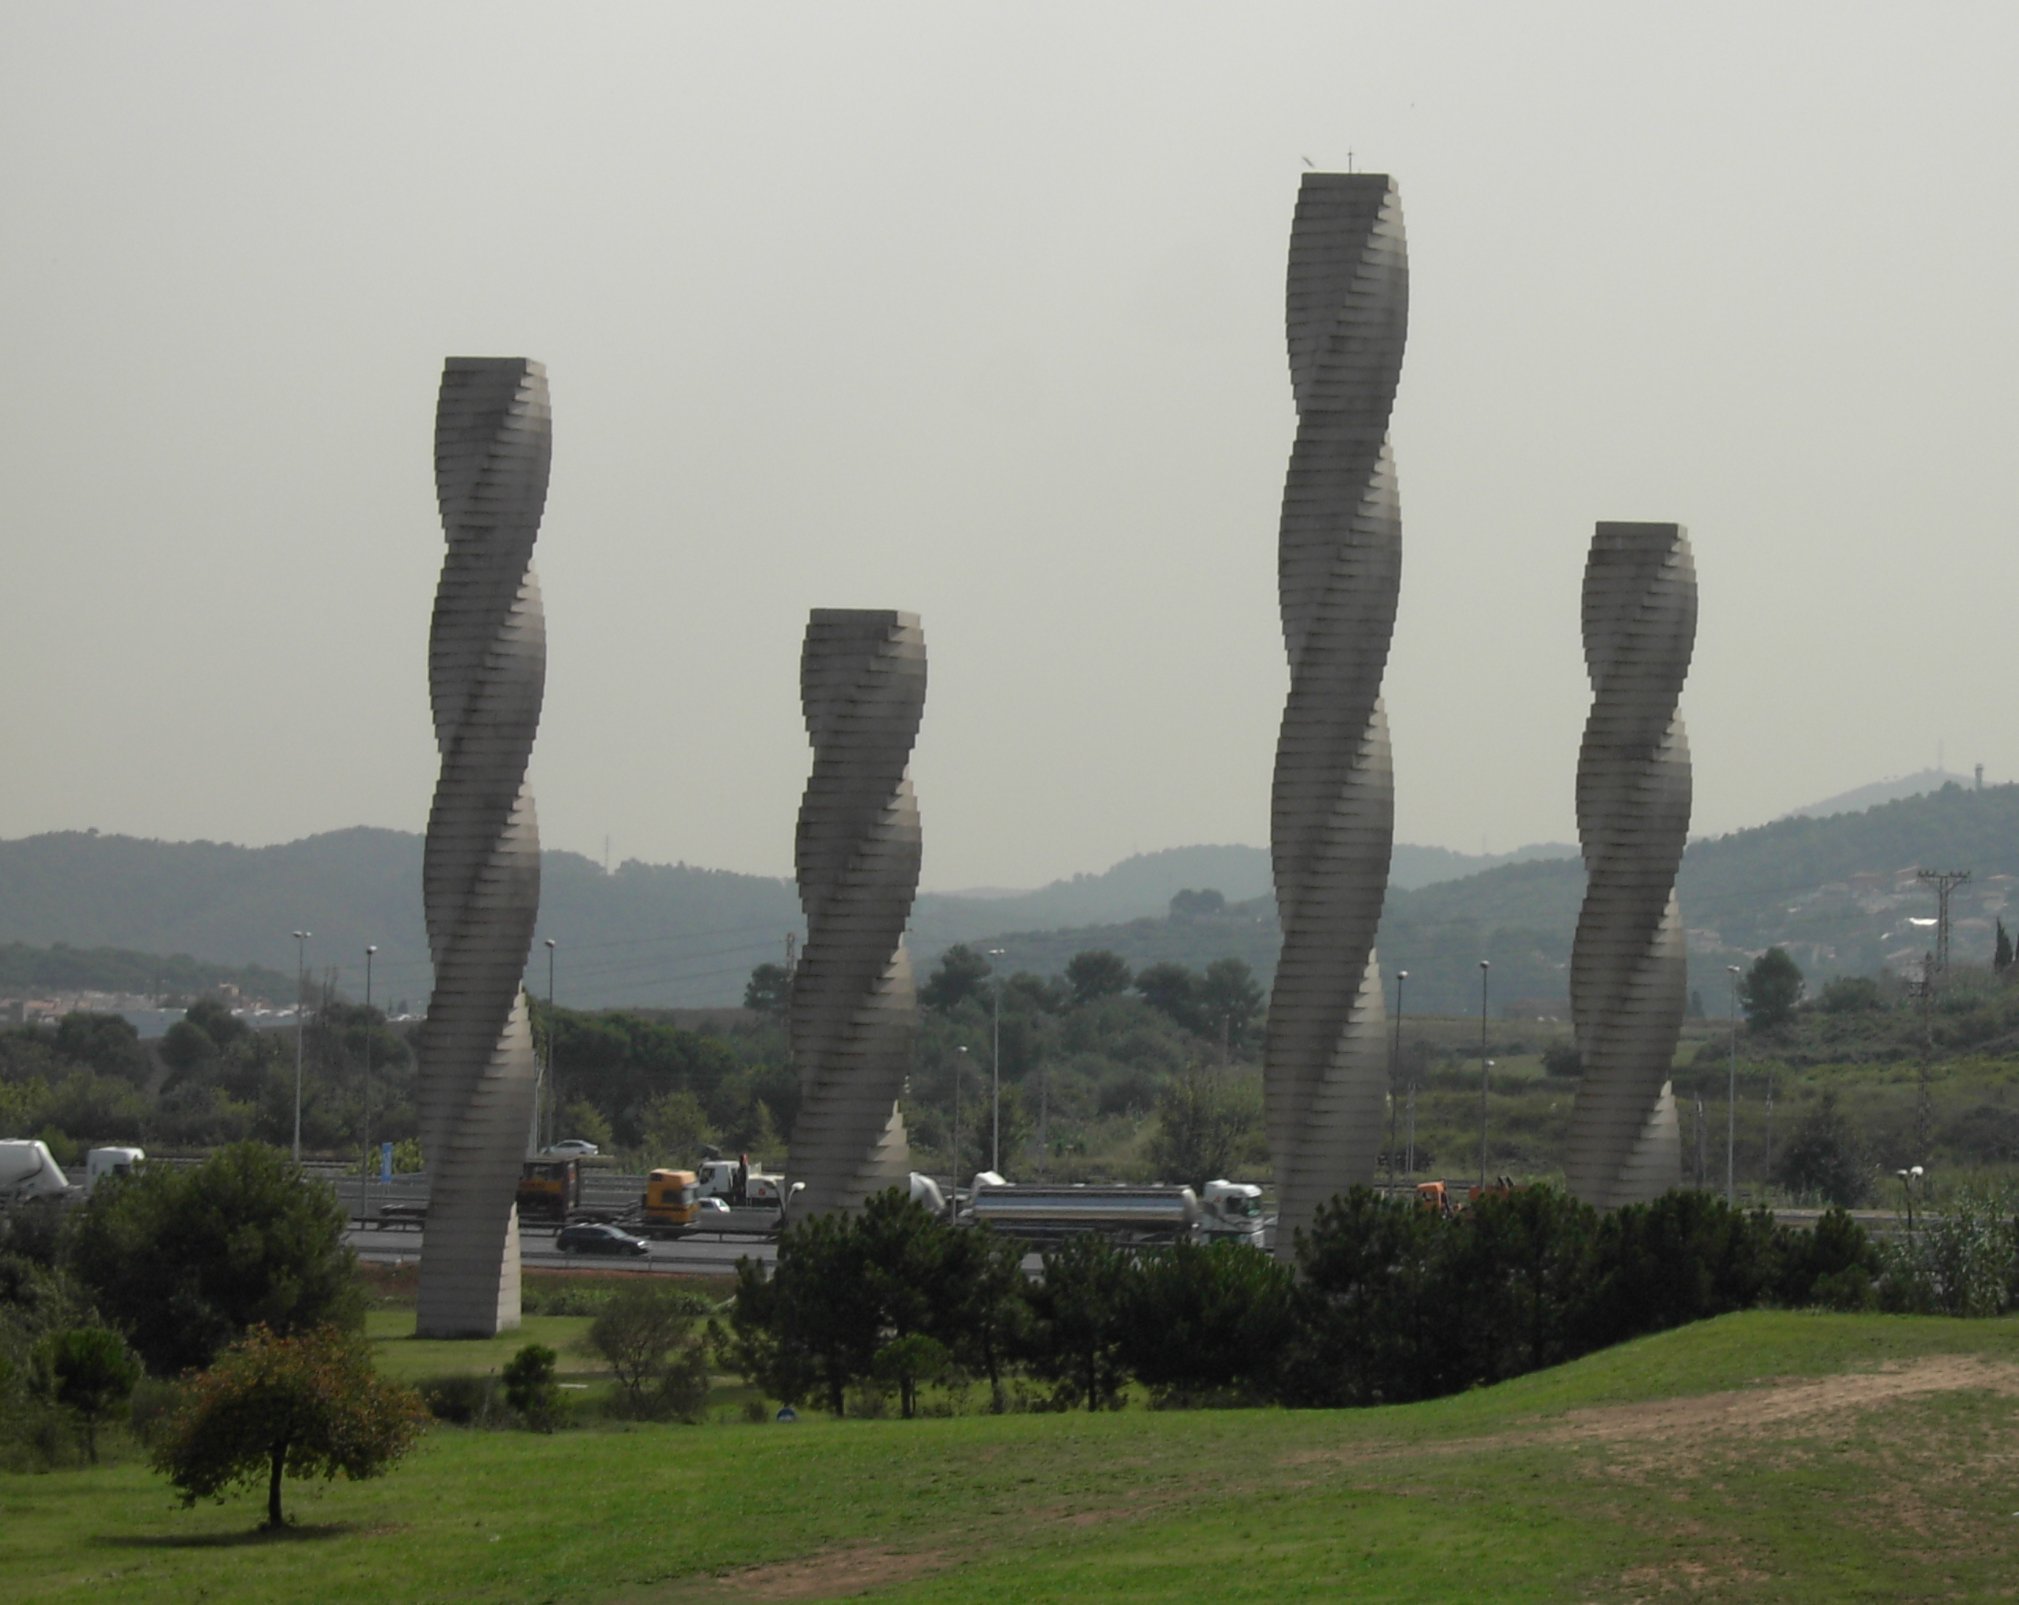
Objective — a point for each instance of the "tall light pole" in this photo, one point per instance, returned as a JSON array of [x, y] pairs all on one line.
[[1485, 1069], [300, 1009], [364, 1191], [995, 1072], [553, 1087], [1394, 1069], [959, 1075], [1732, 1092]]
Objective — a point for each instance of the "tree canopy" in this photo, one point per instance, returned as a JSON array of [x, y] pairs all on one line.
[[185, 1261], [305, 1405], [1770, 990]]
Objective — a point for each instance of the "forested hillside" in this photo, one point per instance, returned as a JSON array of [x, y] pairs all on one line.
[[1839, 892], [669, 935]]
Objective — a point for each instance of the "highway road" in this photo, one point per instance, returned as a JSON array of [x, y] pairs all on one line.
[[691, 1256]]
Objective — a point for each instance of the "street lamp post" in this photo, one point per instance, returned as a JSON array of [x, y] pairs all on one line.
[[1485, 1069], [553, 1087], [365, 1190], [995, 1073], [1732, 1093], [1394, 1069], [1909, 1180], [300, 1008], [959, 1075]]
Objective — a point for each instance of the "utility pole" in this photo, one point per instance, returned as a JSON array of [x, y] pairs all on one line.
[[300, 1011], [1945, 881], [791, 973], [1700, 1141], [1732, 1098], [959, 1074], [553, 1086], [1394, 1072], [995, 1073], [1924, 1097], [1770, 1128], [365, 1188], [1485, 1069]]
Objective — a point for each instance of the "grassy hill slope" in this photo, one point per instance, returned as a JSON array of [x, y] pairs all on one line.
[[1764, 1456]]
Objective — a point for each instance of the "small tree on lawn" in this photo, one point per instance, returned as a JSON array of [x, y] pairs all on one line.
[[529, 1385], [91, 1374], [649, 1336], [302, 1406]]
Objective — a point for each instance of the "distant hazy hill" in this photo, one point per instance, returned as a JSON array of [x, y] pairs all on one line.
[[1838, 891], [1858, 799], [667, 934]]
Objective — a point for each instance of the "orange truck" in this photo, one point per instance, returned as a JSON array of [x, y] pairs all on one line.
[[550, 1189]]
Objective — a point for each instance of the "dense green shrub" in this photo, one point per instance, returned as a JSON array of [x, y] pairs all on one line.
[[846, 1288], [1961, 1260], [463, 1399], [651, 1336], [186, 1261], [530, 1388], [1207, 1323]]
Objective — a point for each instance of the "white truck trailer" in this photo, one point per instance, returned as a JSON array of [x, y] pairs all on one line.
[[1229, 1211], [29, 1170]]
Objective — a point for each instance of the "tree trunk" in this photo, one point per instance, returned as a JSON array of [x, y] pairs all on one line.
[[273, 1517]]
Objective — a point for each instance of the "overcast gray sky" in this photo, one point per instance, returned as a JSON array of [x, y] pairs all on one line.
[[976, 310]]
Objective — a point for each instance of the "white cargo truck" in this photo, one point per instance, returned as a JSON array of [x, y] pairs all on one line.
[[1229, 1211], [103, 1162], [29, 1170]]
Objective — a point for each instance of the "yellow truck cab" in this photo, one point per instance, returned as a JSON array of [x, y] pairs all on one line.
[[670, 1201]]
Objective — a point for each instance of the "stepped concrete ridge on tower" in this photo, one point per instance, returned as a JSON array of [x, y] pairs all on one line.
[[857, 851], [1627, 964], [1339, 573], [487, 671]]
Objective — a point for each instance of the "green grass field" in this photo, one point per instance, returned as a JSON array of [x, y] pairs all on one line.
[[1765, 1456]]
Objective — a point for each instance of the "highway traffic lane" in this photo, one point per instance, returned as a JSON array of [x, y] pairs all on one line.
[[690, 1256]]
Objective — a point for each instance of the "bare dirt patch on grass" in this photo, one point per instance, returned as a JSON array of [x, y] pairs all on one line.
[[1669, 1427], [1745, 1412], [833, 1574]]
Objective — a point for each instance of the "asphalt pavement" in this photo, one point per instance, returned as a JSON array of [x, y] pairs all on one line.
[[689, 1256]]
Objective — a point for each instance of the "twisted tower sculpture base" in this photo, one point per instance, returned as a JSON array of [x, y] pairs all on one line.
[[854, 1005], [481, 879], [1627, 974], [1339, 570]]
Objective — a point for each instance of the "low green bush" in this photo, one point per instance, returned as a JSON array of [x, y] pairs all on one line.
[[463, 1400]]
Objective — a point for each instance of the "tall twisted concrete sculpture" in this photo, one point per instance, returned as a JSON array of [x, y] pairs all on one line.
[[1633, 813], [1339, 570], [487, 670], [854, 1005]]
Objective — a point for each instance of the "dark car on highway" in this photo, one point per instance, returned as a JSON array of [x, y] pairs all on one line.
[[599, 1240]]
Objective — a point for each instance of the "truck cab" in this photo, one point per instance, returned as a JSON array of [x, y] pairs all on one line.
[[550, 1187], [671, 1203], [103, 1162], [719, 1178], [1232, 1209]]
